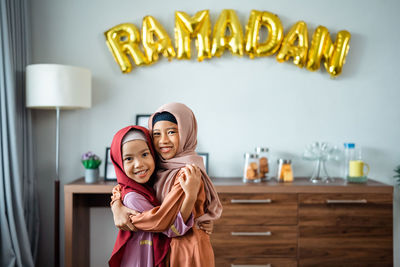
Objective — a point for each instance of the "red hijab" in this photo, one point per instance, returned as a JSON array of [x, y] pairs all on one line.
[[160, 241]]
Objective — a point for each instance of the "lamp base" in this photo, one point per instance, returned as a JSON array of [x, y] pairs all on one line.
[[56, 223]]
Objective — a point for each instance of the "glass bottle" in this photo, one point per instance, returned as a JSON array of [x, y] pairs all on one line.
[[285, 171], [250, 170], [349, 154], [263, 162]]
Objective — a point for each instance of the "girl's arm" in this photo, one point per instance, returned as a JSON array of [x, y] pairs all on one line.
[[179, 227], [162, 217], [190, 181], [157, 219], [121, 216], [207, 226], [120, 212], [138, 202]]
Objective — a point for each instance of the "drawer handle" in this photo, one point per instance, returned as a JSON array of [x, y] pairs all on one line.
[[235, 265], [251, 233], [251, 200], [346, 201]]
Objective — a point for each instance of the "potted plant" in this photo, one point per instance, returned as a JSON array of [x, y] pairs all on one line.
[[91, 162], [397, 176]]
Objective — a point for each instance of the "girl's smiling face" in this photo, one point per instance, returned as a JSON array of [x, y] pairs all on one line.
[[166, 139], [138, 162]]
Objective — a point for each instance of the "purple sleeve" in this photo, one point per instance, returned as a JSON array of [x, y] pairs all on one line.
[[137, 202], [179, 227]]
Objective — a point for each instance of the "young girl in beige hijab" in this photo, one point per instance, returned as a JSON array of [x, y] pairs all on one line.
[[174, 130]]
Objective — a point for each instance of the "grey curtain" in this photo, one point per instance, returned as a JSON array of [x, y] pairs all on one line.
[[19, 215]]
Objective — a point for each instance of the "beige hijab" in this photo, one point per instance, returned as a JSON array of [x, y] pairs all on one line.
[[187, 127]]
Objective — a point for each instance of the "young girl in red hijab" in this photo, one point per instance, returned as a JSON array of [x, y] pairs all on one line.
[[133, 158], [174, 132]]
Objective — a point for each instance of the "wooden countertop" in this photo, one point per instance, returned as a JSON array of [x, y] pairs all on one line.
[[235, 185], [80, 187], [300, 185]]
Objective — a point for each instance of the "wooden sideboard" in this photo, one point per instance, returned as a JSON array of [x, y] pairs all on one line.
[[304, 224], [270, 224], [79, 197]]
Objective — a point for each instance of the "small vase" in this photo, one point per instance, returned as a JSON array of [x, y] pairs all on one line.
[[91, 175]]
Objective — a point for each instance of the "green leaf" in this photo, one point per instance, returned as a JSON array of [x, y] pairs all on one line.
[[91, 163]]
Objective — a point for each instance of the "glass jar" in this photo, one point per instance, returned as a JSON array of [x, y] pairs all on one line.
[[356, 170], [263, 162], [285, 172], [250, 173]]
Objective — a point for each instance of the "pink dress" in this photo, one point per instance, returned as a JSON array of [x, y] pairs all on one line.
[[139, 248]]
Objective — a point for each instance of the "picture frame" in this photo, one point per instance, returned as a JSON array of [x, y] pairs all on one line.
[[143, 120], [109, 172], [205, 159]]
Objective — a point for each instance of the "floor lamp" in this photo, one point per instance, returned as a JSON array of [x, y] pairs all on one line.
[[52, 86]]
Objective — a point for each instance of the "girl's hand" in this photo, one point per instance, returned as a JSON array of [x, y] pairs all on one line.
[[122, 216], [207, 226], [190, 180]]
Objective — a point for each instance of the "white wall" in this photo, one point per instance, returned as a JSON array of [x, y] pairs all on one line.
[[239, 103]]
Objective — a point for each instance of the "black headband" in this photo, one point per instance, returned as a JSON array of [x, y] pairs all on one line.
[[164, 116]]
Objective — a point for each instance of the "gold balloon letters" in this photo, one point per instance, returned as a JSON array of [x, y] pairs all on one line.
[[333, 54], [123, 40], [275, 34], [152, 29], [186, 28], [228, 33], [297, 34], [128, 46]]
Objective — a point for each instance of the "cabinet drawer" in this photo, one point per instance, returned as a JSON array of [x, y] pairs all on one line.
[[258, 209], [254, 241], [345, 198], [345, 230], [367, 210], [351, 258], [255, 262], [345, 246]]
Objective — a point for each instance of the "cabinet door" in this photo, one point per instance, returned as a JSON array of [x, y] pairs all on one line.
[[254, 241], [255, 262], [345, 230], [256, 230], [258, 209]]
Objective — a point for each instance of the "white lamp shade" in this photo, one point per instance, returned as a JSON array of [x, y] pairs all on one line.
[[50, 86]]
